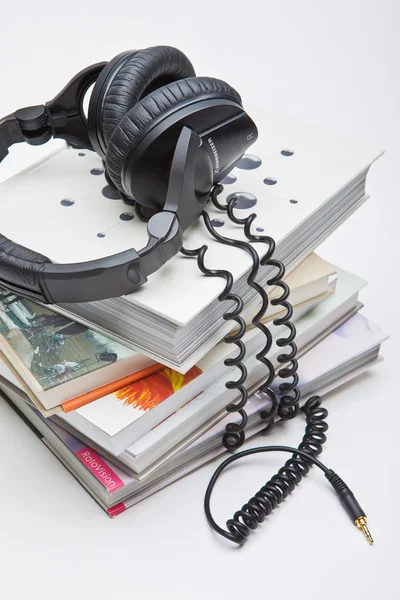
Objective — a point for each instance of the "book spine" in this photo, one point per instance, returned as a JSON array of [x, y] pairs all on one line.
[[99, 468], [116, 510]]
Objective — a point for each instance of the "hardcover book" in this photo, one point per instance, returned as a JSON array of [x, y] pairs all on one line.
[[287, 180]]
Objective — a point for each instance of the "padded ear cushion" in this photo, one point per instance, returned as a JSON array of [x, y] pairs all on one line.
[[20, 265], [129, 131], [143, 72]]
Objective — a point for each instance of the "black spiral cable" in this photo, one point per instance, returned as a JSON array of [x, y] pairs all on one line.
[[288, 405], [289, 400], [280, 485], [269, 414], [283, 483], [234, 435]]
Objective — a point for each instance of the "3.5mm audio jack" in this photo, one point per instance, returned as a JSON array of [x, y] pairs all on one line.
[[349, 503], [362, 524]]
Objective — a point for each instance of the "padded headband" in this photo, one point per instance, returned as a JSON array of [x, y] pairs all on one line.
[[34, 276], [21, 265], [140, 99]]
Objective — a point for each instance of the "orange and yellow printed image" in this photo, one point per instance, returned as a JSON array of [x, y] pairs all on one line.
[[150, 391]]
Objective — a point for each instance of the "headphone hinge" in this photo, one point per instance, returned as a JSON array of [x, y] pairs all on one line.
[[65, 111], [34, 124]]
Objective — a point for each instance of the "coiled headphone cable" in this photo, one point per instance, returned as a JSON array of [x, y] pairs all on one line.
[[283, 483], [298, 465]]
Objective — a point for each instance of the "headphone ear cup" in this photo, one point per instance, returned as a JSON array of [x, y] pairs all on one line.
[[132, 128], [143, 72], [96, 103]]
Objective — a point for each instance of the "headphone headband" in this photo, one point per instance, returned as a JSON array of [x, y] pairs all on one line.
[[62, 117], [181, 199], [34, 276]]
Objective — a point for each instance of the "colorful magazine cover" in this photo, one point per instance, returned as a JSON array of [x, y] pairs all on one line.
[[53, 348]]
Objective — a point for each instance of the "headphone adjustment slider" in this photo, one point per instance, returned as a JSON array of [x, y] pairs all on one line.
[[10, 133]]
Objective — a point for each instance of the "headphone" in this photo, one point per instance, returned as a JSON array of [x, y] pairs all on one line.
[[166, 138]]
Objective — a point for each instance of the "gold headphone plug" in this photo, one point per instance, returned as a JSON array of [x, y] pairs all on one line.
[[362, 524]]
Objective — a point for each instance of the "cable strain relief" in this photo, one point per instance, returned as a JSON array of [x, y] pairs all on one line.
[[336, 482]]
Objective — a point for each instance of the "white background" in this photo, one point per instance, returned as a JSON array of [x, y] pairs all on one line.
[[331, 63]]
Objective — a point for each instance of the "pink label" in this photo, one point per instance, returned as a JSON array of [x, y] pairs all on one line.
[[100, 469]]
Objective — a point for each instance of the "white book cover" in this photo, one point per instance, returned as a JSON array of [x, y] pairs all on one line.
[[63, 208]]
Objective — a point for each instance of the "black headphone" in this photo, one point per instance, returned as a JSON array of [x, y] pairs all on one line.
[[166, 138]]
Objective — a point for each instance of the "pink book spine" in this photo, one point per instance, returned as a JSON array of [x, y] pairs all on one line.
[[100, 469], [116, 510]]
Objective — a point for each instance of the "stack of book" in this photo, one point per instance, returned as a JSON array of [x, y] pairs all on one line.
[[130, 393]]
